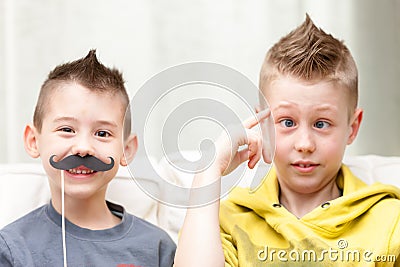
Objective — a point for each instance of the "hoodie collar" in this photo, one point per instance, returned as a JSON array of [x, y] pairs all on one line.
[[330, 218]]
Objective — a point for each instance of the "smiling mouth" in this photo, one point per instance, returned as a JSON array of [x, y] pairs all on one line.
[[81, 171], [305, 165]]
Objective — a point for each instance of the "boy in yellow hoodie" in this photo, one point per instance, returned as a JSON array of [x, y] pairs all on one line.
[[310, 210]]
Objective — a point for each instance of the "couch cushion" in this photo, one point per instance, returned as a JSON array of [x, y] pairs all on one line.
[[24, 187]]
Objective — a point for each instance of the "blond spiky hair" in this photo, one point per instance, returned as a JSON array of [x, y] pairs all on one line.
[[308, 53]]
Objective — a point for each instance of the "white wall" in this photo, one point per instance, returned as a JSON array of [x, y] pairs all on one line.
[[144, 37]]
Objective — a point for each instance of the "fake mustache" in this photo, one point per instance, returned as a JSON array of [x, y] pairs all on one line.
[[73, 161]]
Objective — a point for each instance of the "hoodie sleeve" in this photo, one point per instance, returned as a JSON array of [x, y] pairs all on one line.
[[394, 247], [228, 242], [230, 251]]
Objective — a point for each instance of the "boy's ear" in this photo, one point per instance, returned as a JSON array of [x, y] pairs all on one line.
[[30, 141], [130, 148], [355, 125]]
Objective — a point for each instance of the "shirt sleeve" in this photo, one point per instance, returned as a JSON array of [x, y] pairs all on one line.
[[5, 253], [167, 252]]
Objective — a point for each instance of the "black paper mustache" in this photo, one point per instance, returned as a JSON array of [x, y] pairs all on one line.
[[88, 161]]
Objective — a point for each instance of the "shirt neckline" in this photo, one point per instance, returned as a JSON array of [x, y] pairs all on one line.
[[110, 234]]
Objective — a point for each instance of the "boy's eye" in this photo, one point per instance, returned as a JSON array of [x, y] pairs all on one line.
[[66, 130], [102, 134], [321, 124], [287, 123]]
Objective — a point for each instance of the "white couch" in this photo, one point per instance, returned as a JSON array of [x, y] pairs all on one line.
[[24, 187]]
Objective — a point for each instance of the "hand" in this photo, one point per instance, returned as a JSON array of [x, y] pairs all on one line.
[[228, 155]]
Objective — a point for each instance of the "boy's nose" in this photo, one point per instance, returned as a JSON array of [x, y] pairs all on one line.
[[304, 141], [82, 147]]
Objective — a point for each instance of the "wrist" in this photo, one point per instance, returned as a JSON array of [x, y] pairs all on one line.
[[207, 176]]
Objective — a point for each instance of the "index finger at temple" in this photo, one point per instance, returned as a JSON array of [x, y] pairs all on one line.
[[254, 120]]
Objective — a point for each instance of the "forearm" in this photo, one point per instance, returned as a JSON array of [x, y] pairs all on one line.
[[200, 242]]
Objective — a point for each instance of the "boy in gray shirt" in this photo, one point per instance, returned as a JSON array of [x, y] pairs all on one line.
[[82, 135]]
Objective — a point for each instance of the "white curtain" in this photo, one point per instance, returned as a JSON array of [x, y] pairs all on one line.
[[142, 38]]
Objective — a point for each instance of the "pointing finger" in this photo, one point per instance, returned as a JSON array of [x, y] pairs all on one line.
[[254, 120]]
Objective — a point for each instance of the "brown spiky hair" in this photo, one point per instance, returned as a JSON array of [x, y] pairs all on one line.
[[91, 74], [309, 54]]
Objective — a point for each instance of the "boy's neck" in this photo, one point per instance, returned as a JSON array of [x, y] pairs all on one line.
[[301, 204], [91, 214]]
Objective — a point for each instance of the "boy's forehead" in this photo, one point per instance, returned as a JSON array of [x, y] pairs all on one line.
[[74, 90], [291, 81], [67, 88], [295, 105], [286, 87], [70, 95], [322, 96]]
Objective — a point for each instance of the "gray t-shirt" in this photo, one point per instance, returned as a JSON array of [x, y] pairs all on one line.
[[36, 240]]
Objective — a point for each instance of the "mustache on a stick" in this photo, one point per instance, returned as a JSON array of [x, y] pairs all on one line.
[[90, 162]]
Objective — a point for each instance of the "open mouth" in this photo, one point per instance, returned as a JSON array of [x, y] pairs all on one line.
[[81, 170], [305, 167]]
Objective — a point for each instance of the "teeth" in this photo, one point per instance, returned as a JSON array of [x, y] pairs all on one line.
[[304, 165], [75, 171]]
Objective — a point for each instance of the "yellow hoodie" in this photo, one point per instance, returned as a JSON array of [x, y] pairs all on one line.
[[360, 228]]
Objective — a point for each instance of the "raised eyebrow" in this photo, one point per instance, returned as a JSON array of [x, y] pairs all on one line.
[[74, 119], [326, 108], [65, 118], [284, 105], [107, 123]]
